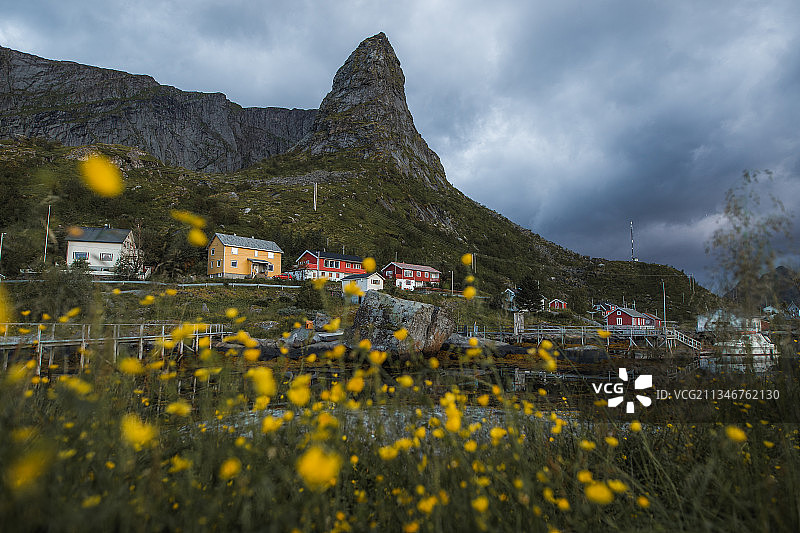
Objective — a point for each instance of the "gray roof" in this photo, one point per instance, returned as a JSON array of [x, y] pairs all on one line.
[[360, 276], [631, 312], [99, 235], [247, 242]]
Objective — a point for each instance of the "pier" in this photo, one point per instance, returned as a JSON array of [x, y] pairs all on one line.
[[45, 338]]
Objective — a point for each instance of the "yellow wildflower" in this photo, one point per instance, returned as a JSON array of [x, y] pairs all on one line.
[[356, 384], [387, 453], [480, 504], [179, 408], [188, 218], [131, 366], [319, 283], [197, 237], [102, 176], [617, 486], [735, 434], [612, 441], [179, 464], [643, 502], [636, 426], [91, 501], [401, 334], [263, 381], [466, 259], [23, 473], [405, 381], [318, 468], [584, 476], [137, 433], [299, 392], [469, 292], [231, 312], [352, 289], [377, 358], [587, 445], [603, 334], [599, 493], [470, 446], [230, 468], [369, 264]]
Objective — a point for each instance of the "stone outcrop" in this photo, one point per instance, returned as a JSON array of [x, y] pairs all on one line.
[[366, 114], [78, 105], [380, 315]]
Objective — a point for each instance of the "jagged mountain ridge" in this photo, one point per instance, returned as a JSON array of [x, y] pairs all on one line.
[[366, 113], [77, 105]]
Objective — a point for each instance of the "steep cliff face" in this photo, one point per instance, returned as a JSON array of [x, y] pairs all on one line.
[[366, 114], [78, 105]]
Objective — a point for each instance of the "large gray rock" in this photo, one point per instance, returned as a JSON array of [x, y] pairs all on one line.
[[366, 113], [380, 315]]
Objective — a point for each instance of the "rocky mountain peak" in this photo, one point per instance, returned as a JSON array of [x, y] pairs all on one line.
[[366, 113]]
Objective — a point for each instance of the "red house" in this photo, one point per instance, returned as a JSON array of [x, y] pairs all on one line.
[[313, 265], [652, 320], [623, 316], [408, 276], [557, 305]]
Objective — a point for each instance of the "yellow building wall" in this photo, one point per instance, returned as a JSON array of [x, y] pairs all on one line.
[[243, 266]]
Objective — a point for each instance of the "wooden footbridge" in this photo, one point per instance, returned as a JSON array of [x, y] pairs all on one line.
[[44, 339], [665, 337]]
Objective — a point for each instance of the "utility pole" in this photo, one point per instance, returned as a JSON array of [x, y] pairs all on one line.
[[664, 293], [633, 257], [46, 235], [315, 196], [1, 247], [452, 283]]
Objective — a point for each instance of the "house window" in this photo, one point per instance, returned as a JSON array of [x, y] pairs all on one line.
[[375, 282], [619, 321], [434, 276], [426, 274], [105, 257], [270, 267], [212, 251], [407, 273], [256, 254], [619, 313], [419, 273], [235, 251], [234, 264], [219, 263], [80, 255], [270, 255]]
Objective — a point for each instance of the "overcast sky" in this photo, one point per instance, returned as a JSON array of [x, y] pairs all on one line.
[[570, 118]]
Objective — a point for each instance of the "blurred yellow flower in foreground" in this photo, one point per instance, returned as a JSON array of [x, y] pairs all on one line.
[[466, 259], [735, 434], [401, 334], [179, 408], [102, 176], [318, 468], [137, 433], [263, 381], [131, 366], [469, 292], [23, 473], [197, 238], [230, 468], [369, 264], [480, 504], [598, 493], [603, 334]]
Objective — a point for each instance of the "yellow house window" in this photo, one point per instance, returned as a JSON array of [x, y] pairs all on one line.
[[235, 251]]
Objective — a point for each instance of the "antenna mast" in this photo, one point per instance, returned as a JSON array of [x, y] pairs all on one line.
[[633, 257]]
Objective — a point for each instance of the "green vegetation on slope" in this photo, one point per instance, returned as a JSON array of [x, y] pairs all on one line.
[[364, 207]]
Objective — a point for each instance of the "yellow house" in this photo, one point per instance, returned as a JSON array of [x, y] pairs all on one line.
[[232, 256]]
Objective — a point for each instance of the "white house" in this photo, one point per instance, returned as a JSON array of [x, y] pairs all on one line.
[[365, 282], [102, 248]]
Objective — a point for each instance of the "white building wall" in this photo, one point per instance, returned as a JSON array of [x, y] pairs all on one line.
[[94, 251]]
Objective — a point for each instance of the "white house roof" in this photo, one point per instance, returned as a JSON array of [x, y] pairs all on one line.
[[111, 235], [247, 242], [410, 266], [332, 255], [353, 277]]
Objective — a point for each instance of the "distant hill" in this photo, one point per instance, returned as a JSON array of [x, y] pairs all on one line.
[[382, 192]]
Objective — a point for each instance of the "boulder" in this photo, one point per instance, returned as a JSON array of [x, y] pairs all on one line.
[[380, 315], [301, 336], [588, 354]]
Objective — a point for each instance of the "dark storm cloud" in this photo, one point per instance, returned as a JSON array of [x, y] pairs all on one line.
[[571, 118]]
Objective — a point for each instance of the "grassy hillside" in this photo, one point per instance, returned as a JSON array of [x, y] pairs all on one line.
[[364, 206]]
